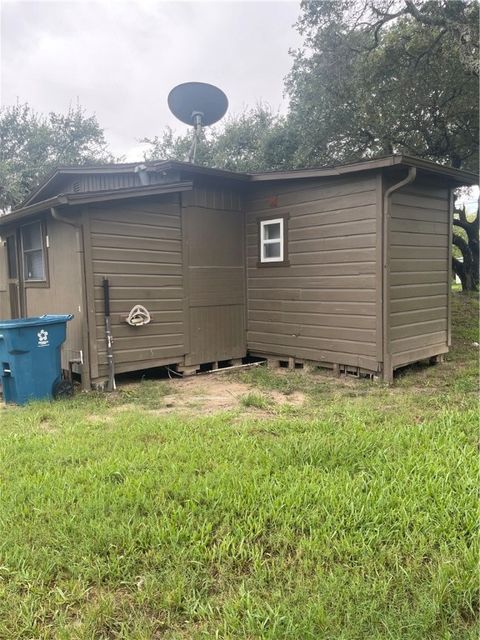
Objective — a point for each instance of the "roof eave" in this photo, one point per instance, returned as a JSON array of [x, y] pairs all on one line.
[[93, 196], [154, 166], [300, 174], [458, 176]]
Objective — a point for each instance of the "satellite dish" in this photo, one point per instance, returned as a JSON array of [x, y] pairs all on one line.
[[198, 104]]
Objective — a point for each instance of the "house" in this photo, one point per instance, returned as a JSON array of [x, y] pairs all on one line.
[[346, 267]]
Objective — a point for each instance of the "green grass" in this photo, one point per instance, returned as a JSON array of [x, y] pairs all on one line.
[[257, 400], [352, 517]]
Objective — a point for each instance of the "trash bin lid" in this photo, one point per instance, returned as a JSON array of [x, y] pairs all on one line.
[[35, 321]]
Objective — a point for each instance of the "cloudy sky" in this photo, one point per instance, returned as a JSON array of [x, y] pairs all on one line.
[[120, 58]]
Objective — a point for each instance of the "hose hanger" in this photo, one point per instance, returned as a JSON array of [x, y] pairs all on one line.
[[138, 316]]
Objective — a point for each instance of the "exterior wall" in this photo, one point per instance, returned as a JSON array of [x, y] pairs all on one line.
[[419, 271], [4, 297], [137, 246], [213, 228], [324, 306], [64, 293]]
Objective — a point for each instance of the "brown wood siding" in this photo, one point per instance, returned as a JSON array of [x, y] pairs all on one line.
[[213, 226], [137, 246], [419, 249], [322, 306]]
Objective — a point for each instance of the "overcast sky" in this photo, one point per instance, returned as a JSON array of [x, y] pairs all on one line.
[[120, 58]]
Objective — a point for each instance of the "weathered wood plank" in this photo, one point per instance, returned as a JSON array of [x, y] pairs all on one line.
[[318, 320], [310, 271], [419, 277], [137, 255], [399, 252], [340, 230], [309, 342], [419, 341], [324, 355], [419, 240], [321, 211], [212, 285], [315, 294], [413, 226], [418, 328], [146, 238], [123, 330], [415, 303], [297, 330], [169, 267], [141, 280], [417, 290], [337, 309], [358, 281], [401, 318], [173, 350]]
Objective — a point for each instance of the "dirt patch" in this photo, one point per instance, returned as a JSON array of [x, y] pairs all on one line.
[[297, 398], [201, 394], [206, 394]]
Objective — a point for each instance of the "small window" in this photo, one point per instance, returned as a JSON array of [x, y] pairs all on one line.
[[272, 240], [33, 253]]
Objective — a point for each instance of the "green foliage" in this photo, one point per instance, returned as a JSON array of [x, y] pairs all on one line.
[[354, 519], [371, 78], [32, 144], [256, 139], [376, 77], [257, 400]]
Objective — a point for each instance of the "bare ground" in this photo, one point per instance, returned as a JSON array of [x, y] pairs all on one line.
[[205, 394]]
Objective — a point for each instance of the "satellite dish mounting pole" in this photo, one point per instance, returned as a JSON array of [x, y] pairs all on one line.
[[197, 104], [197, 131]]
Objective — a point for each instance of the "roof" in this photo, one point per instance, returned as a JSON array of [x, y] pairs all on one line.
[[93, 196], [32, 204], [456, 175], [130, 167]]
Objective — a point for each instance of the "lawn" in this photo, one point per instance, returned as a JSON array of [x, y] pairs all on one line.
[[257, 505]]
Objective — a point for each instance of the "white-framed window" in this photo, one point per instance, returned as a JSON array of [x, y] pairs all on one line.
[[272, 240], [33, 252]]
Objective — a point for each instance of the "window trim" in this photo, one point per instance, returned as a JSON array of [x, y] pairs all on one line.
[[274, 262], [45, 282], [11, 242]]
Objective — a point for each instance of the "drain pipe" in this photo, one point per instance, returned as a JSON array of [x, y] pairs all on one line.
[[85, 353], [387, 355], [141, 171]]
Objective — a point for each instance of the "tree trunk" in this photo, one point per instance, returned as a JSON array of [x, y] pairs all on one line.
[[467, 270]]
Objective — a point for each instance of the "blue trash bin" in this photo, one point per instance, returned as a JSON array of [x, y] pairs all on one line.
[[30, 360]]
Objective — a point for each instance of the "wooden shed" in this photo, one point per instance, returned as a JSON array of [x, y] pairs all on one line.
[[346, 267]]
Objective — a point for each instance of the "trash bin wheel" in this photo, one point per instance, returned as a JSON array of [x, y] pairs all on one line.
[[62, 389]]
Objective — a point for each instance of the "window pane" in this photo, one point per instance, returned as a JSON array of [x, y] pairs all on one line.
[[32, 236], [34, 266], [271, 250], [272, 231], [12, 257]]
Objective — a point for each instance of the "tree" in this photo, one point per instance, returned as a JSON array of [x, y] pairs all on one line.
[[31, 145], [383, 76], [466, 240], [256, 140]]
